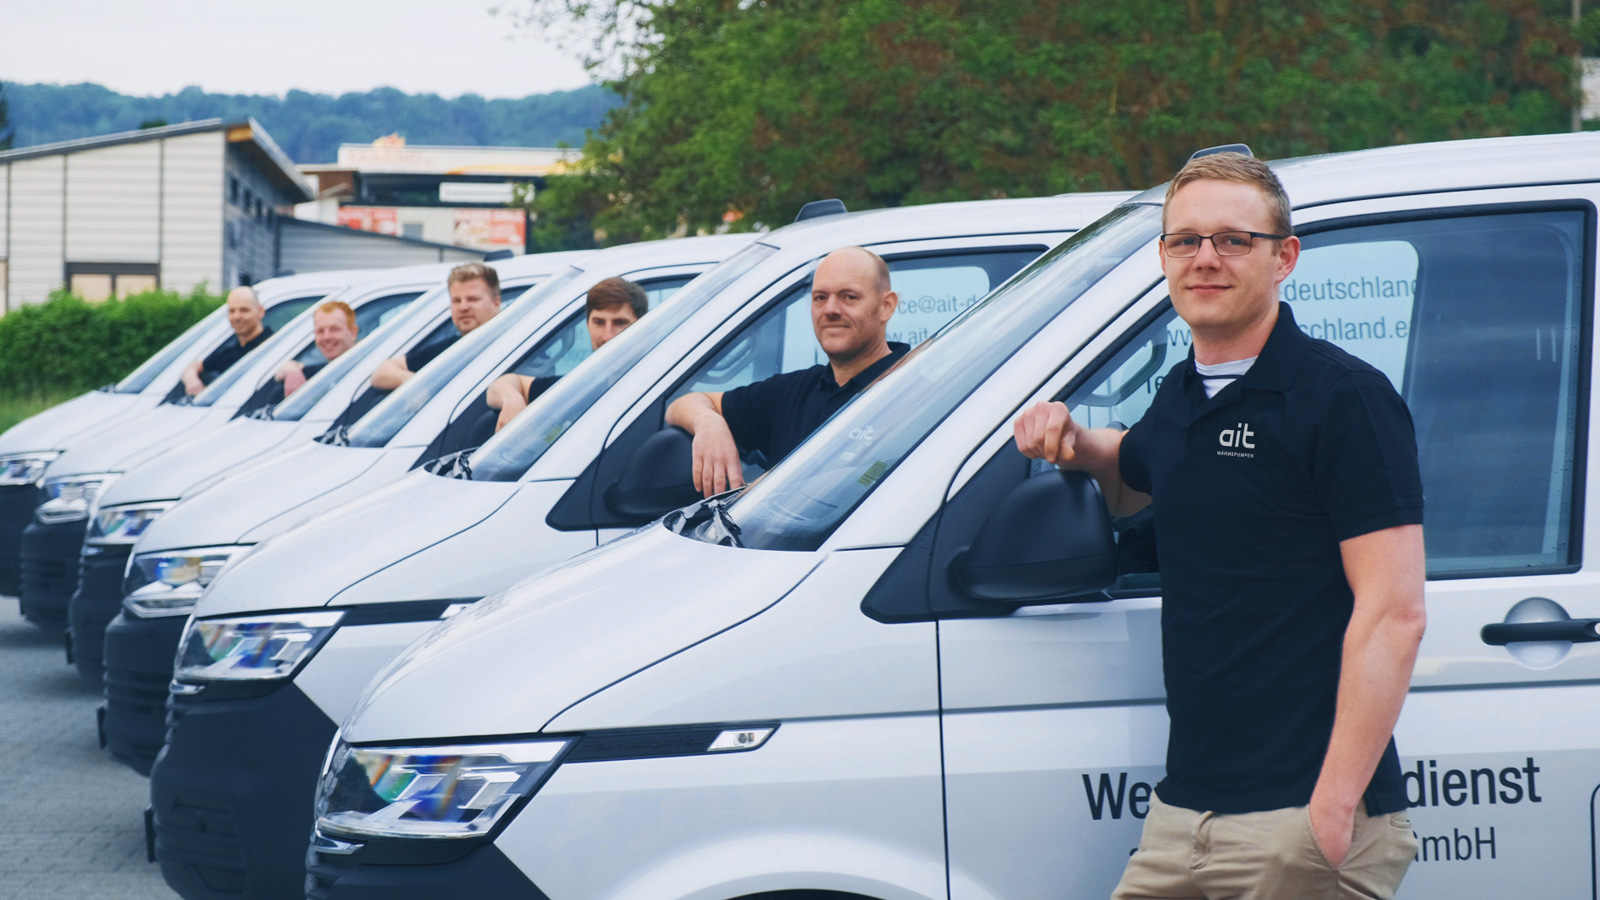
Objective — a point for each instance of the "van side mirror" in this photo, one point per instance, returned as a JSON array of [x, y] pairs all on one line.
[[658, 478], [1049, 540]]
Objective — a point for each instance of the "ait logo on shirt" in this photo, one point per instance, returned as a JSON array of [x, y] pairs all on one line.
[[1238, 441]]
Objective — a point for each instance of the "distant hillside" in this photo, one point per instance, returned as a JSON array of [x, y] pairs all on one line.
[[310, 127]]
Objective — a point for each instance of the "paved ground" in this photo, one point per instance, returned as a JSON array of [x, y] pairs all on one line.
[[71, 819]]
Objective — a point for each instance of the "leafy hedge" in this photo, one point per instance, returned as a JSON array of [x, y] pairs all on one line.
[[69, 344]]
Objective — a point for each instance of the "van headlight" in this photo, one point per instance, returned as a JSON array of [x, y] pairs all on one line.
[[251, 648], [170, 583], [124, 524], [25, 468], [72, 498], [453, 791]]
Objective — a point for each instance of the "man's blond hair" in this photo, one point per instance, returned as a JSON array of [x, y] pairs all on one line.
[[476, 271], [1240, 169]]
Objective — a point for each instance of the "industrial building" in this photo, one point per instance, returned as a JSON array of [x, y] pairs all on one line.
[[441, 194], [173, 207]]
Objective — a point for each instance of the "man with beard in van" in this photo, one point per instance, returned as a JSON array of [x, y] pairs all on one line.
[[474, 300], [851, 302]]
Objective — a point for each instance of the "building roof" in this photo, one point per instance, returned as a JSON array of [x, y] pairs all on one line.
[[246, 135], [392, 155]]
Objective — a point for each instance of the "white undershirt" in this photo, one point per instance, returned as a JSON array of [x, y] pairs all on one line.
[[1217, 377]]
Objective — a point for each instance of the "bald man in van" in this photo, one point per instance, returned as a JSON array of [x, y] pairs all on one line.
[[851, 302], [244, 316]]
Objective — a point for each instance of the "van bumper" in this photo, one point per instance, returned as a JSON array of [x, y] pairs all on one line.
[[138, 668], [17, 503], [95, 603], [50, 571], [481, 871], [233, 790]]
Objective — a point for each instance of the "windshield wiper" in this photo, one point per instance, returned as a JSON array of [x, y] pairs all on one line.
[[706, 521], [452, 465], [338, 436], [264, 412]]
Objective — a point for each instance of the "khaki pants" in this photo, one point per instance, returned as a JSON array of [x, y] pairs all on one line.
[[1188, 855]]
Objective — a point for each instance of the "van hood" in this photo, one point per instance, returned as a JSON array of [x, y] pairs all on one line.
[[119, 445], [199, 460], [55, 428], [238, 508], [309, 565], [558, 637]]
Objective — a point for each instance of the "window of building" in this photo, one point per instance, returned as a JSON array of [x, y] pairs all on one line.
[[233, 190], [101, 281]]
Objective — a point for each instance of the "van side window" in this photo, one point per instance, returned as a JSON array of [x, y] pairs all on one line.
[[932, 290], [1477, 320]]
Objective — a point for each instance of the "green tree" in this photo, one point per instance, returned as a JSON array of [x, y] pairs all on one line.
[[741, 110]]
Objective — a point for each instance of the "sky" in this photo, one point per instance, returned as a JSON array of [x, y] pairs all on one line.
[[153, 47]]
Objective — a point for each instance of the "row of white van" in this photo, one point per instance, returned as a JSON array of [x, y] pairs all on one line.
[[865, 675]]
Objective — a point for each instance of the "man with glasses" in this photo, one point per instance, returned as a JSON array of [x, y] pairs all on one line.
[[1288, 515]]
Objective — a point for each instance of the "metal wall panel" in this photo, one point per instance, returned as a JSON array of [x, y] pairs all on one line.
[[114, 204], [251, 238], [191, 200], [312, 249], [5, 217], [36, 261]]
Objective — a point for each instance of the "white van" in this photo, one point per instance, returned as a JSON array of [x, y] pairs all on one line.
[[378, 439], [28, 447], [76, 479], [142, 494], [550, 485], [908, 663]]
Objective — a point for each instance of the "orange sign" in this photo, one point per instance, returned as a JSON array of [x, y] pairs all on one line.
[[382, 219], [491, 227]]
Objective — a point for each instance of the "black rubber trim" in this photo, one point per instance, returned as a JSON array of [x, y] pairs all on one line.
[[399, 611], [17, 503], [233, 791], [655, 743], [483, 871], [50, 570], [95, 603], [138, 668]]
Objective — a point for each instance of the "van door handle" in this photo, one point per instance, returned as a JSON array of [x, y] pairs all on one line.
[[1579, 631]]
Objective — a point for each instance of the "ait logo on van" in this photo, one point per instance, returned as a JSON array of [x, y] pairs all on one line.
[[1238, 441]]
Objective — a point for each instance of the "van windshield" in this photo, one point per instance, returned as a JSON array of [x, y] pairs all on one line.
[[140, 378], [392, 413], [519, 445], [800, 502]]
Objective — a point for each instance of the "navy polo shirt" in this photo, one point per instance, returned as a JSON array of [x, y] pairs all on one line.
[[1253, 490], [775, 415], [231, 351]]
